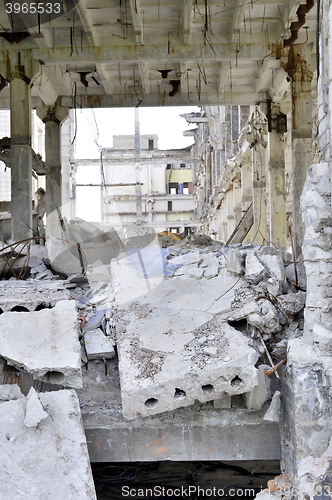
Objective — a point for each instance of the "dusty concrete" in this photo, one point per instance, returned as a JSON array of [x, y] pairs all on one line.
[[43, 448], [44, 343]]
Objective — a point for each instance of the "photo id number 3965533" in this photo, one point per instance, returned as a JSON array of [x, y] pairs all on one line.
[[33, 8]]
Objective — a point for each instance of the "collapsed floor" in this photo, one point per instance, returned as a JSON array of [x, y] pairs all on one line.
[[171, 347]]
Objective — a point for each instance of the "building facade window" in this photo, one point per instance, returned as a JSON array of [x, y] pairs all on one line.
[[151, 144], [169, 206]]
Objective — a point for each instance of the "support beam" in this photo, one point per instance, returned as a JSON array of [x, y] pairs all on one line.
[[123, 53], [20, 154], [276, 173], [302, 141], [135, 14], [259, 194], [187, 11], [53, 116]]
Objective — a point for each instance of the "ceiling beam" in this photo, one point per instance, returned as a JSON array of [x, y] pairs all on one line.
[[85, 17], [187, 12], [107, 84], [135, 15], [143, 76], [179, 53], [245, 97]]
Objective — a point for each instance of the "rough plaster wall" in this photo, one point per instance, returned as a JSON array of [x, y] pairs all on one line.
[[307, 432], [323, 97]]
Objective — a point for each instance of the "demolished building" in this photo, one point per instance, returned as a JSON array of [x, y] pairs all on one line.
[[206, 350]]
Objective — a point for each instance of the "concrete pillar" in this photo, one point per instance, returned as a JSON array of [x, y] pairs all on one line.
[[237, 201], [246, 194], [301, 139], [53, 116], [230, 212], [228, 132], [20, 154], [276, 173], [259, 193]]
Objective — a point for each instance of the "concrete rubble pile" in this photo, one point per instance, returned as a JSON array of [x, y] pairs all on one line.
[[191, 320]]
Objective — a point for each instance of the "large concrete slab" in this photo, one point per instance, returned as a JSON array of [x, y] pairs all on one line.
[[44, 343], [43, 448], [169, 362]]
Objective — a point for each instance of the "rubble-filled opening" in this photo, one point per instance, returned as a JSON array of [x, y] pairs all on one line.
[[207, 388], [236, 381], [54, 377], [151, 402], [232, 479], [241, 325], [19, 309], [179, 393], [42, 306]]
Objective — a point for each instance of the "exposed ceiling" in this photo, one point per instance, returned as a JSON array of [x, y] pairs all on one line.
[[110, 53]]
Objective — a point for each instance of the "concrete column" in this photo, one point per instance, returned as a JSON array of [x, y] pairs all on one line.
[[20, 155], [301, 139], [237, 201], [276, 173], [259, 193], [53, 116], [246, 193], [230, 212]]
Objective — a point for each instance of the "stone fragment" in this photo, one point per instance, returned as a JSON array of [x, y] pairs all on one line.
[[260, 393], [234, 263], [255, 271], [44, 343], [98, 346], [280, 483], [301, 274], [212, 269], [61, 258], [273, 412], [292, 303], [211, 351], [47, 461], [9, 392], [186, 259], [35, 411], [94, 321]]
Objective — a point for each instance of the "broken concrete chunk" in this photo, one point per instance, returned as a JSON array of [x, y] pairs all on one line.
[[61, 258], [212, 269], [234, 262], [272, 260], [154, 380], [273, 412], [292, 303], [301, 274], [261, 392], [255, 271], [9, 392], [194, 257], [98, 346], [47, 461], [95, 320], [44, 343], [35, 412]]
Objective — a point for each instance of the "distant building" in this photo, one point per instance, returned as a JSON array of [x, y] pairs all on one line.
[[166, 183]]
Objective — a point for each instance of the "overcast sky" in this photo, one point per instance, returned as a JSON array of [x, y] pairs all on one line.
[[101, 124]]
